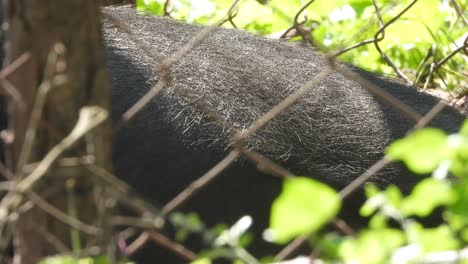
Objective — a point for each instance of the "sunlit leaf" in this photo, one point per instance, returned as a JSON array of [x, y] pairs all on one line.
[[426, 196], [421, 151], [201, 261], [371, 246], [432, 239], [303, 207]]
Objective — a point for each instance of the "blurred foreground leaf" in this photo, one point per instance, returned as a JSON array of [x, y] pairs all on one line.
[[303, 207]]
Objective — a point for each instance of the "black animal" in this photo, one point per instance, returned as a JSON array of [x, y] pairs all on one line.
[[333, 134]]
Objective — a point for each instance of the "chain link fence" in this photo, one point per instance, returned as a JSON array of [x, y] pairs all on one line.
[[122, 32]]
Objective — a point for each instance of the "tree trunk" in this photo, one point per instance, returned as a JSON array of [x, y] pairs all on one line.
[[118, 2], [70, 30]]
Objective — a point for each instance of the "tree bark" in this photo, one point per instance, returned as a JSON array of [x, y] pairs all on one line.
[[118, 2], [72, 29]]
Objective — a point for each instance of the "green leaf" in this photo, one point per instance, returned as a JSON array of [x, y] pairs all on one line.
[[460, 204], [386, 200], [59, 260], [459, 158], [303, 207], [464, 234], [371, 246], [374, 200], [151, 6], [432, 239], [421, 151], [73, 260], [201, 261], [464, 129], [420, 203], [329, 245]]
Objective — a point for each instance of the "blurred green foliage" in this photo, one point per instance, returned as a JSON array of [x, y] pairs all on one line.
[[430, 27], [303, 207], [73, 260], [424, 151]]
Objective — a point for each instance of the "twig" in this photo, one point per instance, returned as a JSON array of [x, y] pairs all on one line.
[[53, 240], [37, 111], [61, 216], [89, 118], [172, 246]]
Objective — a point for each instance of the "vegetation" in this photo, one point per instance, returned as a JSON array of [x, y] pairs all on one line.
[[425, 33]]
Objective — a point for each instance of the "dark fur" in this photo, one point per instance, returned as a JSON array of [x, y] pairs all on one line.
[[333, 134]]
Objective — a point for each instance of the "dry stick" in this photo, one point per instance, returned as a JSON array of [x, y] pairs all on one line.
[[291, 247], [167, 243], [28, 205], [7, 86], [343, 227], [303, 9], [6, 186], [381, 33], [377, 12], [4, 240], [297, 26], [451, 54], [357, 45], [368, 41], [37, 111], [61, 216], [36, 115], [162, 240], [89, 118], [12, 67], [6, 172], [459, 11], [58, 245], [137, 244], [126, 195], [141, 222], [167, 8], [11, 90]]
